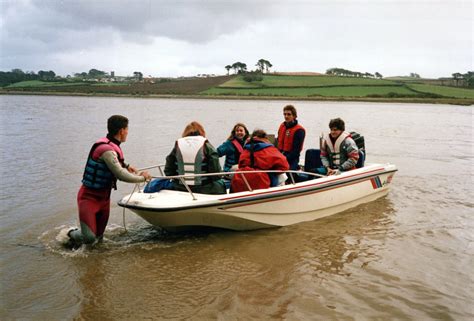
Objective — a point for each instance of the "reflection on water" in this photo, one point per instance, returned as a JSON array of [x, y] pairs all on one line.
[[230, 271], [339, 239], [404, 256]]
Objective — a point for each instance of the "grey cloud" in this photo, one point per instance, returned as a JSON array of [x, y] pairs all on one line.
[[32, 28], [40, 27], [191, 21], [303, 33]]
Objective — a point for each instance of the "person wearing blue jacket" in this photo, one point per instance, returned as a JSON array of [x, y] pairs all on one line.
[[233, 146]]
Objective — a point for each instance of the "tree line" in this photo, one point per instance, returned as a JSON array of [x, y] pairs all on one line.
[[348, 73], [99, 74], [240, 67], [468, 78], [17, 75], [462, 80]]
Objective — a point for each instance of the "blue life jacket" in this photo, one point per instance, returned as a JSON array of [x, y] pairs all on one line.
[[96, 173]]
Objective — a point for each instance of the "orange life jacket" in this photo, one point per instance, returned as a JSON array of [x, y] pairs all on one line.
[[286, 136]]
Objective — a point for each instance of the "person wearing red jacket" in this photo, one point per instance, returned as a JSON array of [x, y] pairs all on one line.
[[259, 154], [291, 137]]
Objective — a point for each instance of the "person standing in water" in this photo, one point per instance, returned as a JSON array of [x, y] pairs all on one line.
[[105, 164]]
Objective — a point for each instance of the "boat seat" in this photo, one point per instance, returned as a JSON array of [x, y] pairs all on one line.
[[312, 160], [361, 161]]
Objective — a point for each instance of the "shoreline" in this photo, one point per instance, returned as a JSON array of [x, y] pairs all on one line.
[[441, 101]]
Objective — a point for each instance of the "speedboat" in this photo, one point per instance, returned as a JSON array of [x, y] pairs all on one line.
[[289, 204]]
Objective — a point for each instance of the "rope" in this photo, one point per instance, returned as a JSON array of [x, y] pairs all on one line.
[[123, 213], [123, 221], [137, 185]]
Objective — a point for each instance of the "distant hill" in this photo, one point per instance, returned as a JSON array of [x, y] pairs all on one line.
[[288, 85], [348, 88]]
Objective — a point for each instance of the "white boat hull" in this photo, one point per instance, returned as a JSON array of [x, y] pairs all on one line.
[[273, 207]]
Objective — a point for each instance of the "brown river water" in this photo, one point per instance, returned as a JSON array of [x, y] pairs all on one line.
[[407, 256]]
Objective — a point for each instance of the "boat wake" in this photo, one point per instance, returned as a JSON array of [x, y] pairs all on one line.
[[117, 239]]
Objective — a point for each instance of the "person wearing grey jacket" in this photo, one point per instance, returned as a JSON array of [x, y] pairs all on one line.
[[339, 151]]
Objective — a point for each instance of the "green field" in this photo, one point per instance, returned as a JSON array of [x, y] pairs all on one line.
[[352, 91], [444, 90], [333, 87], [303, 81], [39, 83]]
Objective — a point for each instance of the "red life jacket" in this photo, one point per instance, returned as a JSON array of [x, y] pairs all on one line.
[[101, 149], [286, 136], [237, 146], [266, 158], [255, 180]]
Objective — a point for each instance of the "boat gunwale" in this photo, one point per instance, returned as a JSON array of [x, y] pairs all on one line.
[[268, 194]]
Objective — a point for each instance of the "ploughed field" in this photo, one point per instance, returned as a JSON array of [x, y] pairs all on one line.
[[191, 86]]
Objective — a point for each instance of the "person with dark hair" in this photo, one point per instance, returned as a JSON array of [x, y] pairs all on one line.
[[259, 154], [339, 152], [291, 137], [194, 154], [105, 164], [233, 146]]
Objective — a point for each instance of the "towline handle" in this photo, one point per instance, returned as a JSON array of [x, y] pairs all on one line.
[[150, 167], [159, 166], [239, 172]]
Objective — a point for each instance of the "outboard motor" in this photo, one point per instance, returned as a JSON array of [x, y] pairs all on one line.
[[360, 142]]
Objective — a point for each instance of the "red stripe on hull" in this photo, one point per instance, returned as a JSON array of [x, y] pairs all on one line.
[[299, 187]]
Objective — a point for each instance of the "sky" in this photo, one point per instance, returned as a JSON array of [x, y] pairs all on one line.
[[170, 38]]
